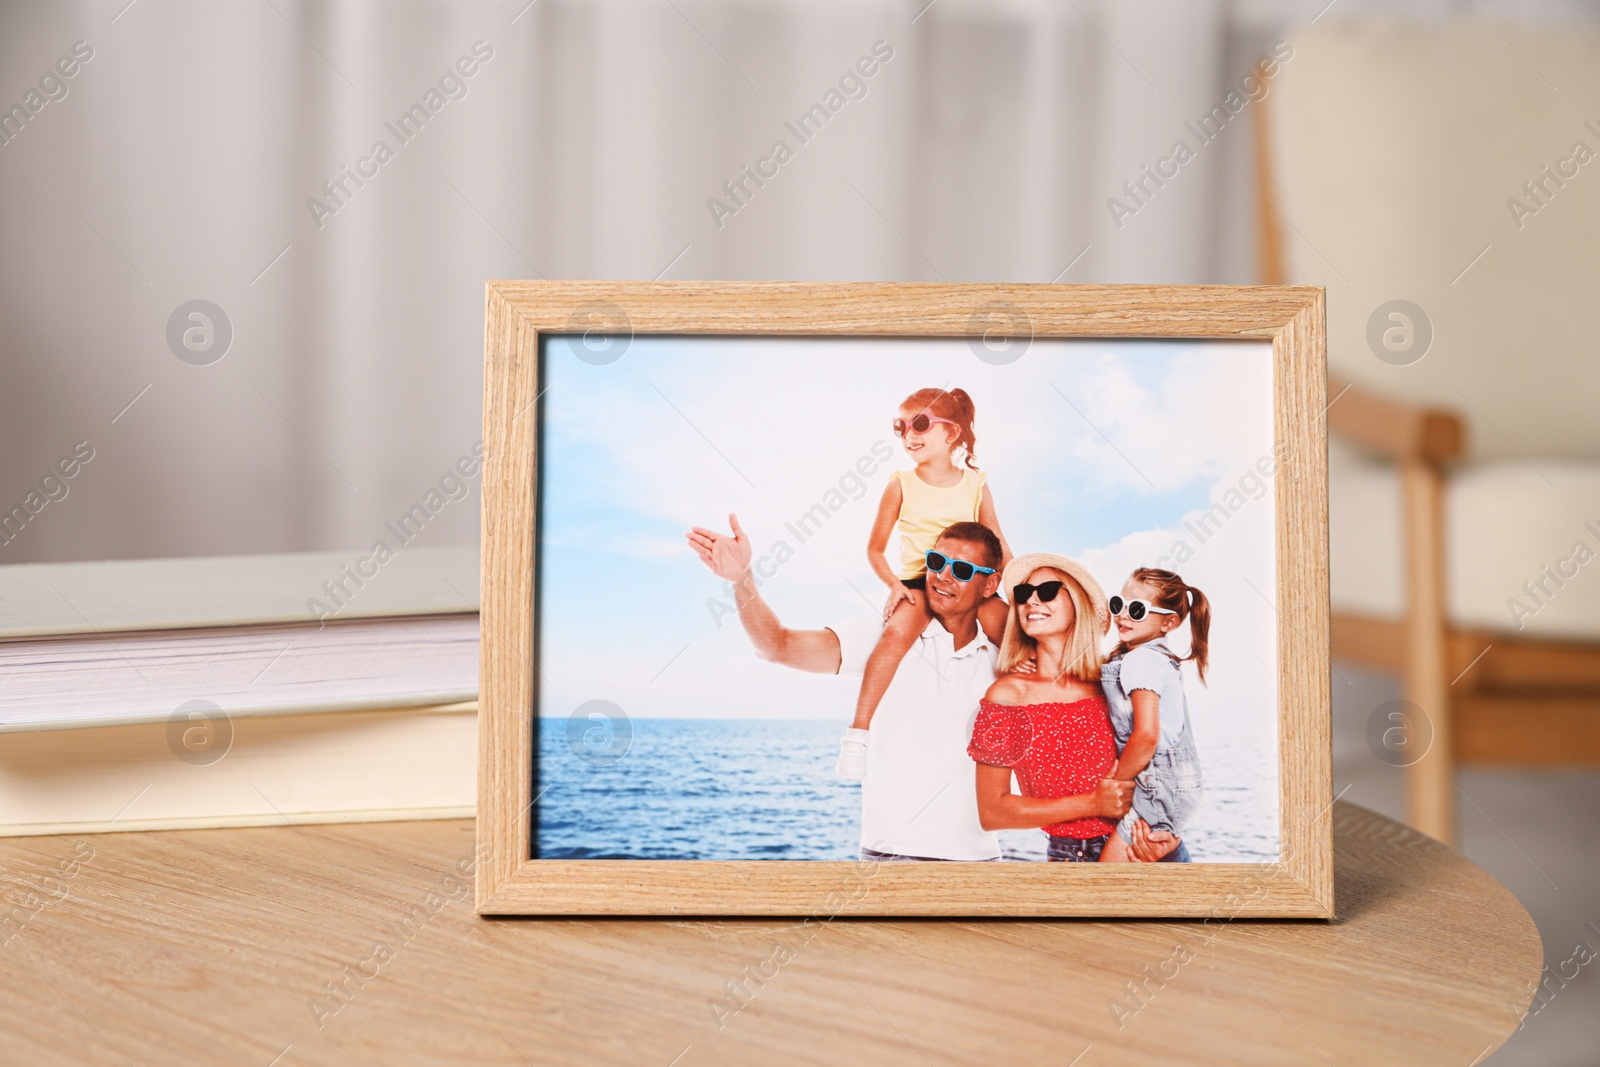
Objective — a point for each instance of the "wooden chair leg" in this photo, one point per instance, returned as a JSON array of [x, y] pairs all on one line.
[[1430, 781]]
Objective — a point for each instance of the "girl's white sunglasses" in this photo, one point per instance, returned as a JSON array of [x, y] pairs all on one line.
[[1136, 609]]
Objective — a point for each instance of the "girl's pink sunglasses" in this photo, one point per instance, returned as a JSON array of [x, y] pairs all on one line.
[[921, 424]]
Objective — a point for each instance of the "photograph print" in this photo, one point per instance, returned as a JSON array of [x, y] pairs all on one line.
[[906, 600]]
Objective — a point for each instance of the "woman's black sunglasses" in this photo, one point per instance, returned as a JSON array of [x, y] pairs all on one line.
[[1022, 592]]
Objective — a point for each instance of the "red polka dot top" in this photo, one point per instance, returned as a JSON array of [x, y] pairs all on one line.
[[1056, 750]]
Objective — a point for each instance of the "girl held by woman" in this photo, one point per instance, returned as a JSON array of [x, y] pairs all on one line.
[[1143, 685]]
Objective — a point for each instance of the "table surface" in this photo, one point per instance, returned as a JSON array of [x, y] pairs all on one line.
[[356, 944]]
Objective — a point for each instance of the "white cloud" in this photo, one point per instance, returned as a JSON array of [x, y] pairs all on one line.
[[1200, 419], [767, 427]]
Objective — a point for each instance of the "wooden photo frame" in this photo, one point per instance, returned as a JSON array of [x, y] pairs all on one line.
[[523, 316]]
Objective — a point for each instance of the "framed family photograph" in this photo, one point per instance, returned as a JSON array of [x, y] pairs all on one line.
[[821, 600]]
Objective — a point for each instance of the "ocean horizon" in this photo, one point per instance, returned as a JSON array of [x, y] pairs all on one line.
[[746, 789]]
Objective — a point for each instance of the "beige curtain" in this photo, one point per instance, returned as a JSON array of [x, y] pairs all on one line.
[[217, 151]]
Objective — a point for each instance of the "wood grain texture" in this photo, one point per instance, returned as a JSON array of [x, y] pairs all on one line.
[[505, 616], [224, 946], [510, 882], [904, 309], [1300, 492]]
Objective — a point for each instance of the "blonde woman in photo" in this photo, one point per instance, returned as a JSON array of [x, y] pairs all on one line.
[[1046, 719]]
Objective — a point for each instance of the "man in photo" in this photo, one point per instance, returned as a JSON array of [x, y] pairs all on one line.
[[919, 794]]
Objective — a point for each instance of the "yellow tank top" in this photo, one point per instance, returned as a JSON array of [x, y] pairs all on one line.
[[925, 511]]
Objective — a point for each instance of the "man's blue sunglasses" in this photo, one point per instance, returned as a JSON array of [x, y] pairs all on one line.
[[960, 568]]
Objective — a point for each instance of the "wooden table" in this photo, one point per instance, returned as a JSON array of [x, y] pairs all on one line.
[[259, 946]]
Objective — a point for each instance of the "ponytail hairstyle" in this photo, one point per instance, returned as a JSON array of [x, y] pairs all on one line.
[[1190, 603], [952, 404]]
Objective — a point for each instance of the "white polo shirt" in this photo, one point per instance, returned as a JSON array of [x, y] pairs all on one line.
[[919, 797]]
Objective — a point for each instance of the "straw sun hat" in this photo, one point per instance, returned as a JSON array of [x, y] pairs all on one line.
[[1018, 569]]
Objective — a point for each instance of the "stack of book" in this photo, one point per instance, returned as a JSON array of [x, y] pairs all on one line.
[[238, 691]]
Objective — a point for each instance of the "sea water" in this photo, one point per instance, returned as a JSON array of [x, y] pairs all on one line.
[[747, 789]]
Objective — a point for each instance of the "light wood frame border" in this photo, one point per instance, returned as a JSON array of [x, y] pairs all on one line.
[[510, 882]]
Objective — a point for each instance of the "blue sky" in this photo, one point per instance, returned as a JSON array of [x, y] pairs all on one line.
[[1098, 449]]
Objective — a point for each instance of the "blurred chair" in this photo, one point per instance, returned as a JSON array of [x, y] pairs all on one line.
[[1458, 169]]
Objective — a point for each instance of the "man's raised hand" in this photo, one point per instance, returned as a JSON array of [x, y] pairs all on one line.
[[728, 556]]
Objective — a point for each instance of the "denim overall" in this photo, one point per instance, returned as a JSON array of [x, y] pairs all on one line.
[[1168, 790]]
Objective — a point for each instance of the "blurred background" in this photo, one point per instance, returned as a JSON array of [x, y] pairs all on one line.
[[1430, 163]]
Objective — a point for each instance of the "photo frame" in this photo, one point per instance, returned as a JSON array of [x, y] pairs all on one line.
[[521, 315]]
